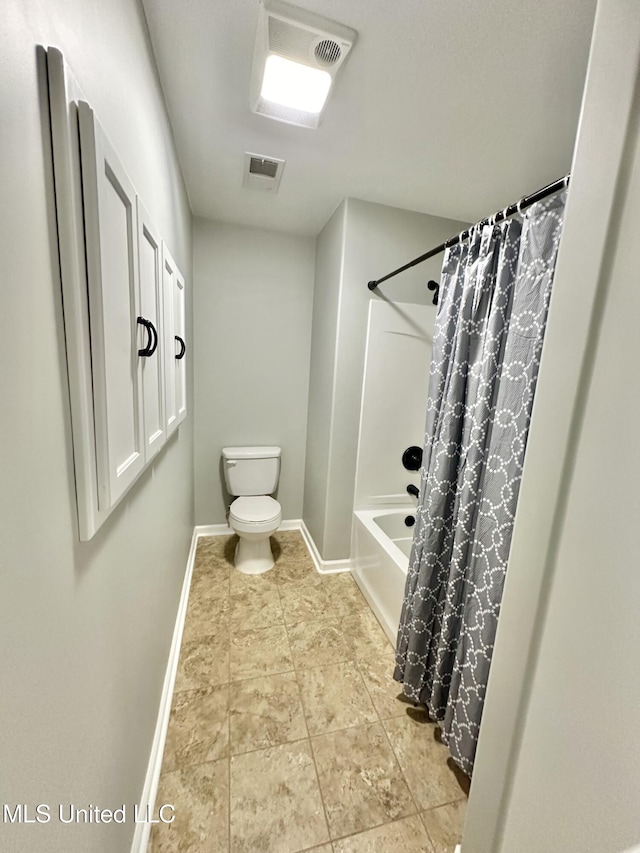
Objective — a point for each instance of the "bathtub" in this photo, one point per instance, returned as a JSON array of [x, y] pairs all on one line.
[[380, 553]]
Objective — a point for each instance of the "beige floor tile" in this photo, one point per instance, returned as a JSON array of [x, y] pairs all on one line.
[[210, 580], [204, 662], [401, 836], [239, 581], [293, 561], [334, 697], [361, 783], [207, 611], [305, 602], [290, 544], [444, 826], [260, 651], [295, 570], [255, 607], [235, 631], [265, 712], [275, 801], [318, 644], [424, 762], [207, 550], [344, 595], [212, 555], [384, 691], [365, 634], [198, 727], [200, 796]]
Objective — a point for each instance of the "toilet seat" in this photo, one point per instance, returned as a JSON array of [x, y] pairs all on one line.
[[253, 512]]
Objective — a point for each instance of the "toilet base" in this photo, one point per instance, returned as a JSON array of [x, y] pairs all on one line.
[[253, 556]]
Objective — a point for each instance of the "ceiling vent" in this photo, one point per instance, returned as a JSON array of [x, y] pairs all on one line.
[[262, 173], [298, 36]]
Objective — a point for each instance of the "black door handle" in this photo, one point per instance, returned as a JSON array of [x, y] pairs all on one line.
[[154, 345], [152, 340], [183, 347]]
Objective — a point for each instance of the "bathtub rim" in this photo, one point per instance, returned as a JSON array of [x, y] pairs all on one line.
[[368, 519], [400, 562]]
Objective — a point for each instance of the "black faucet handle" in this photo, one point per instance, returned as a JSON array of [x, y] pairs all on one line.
[[412, 458], [413, 490]]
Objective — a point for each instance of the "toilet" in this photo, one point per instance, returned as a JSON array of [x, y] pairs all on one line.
[[251, 475]]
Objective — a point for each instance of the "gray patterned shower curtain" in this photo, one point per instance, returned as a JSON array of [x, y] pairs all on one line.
[[494, 297]]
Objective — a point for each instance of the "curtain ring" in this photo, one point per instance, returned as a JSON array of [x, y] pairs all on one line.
[[565, 183], [519, 207]]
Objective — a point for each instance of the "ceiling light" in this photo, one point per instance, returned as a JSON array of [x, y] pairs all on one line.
[[296, 58], [294, 85]]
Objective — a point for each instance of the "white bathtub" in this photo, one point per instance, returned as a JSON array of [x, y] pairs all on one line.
[[381, 549]]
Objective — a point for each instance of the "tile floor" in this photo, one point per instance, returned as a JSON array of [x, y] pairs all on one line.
[[285, 732]]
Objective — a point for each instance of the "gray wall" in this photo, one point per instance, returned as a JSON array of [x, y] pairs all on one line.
[[252, 319], [85, 629], [365, 242], [326, 295]]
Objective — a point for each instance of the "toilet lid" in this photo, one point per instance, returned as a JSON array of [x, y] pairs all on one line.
[[255, 508]]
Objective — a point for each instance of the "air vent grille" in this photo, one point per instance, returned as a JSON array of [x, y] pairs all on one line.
[[327, 52], [262, 173], [259, 166], [290, 41]]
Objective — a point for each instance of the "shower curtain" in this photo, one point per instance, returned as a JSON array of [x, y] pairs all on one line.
[[494, 297]]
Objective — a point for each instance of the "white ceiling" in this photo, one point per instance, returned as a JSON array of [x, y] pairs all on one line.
[[449, 107]]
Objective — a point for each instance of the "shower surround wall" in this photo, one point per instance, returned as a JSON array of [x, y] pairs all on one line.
[[394, 401], [361, 241], [85, 627]]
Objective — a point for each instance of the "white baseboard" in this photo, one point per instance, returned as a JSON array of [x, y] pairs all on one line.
[[458, 848], [292, 524], [324, 567], [150, 788]]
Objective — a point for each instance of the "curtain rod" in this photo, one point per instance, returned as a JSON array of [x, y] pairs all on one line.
[[505, 213]]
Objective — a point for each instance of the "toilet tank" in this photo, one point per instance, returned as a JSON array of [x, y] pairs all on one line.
[[251, 470]]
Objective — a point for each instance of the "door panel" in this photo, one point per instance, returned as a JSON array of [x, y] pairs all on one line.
[[112, 266], [151, 309]]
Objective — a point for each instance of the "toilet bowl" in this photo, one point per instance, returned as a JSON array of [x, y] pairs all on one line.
[[254, 519], [251, 475]]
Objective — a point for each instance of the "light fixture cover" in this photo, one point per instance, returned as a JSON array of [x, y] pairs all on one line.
[[296, 57], [292, 84]]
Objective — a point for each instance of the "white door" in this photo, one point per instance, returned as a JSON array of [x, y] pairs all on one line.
[[112, 268], [151, 327], [175, 345]]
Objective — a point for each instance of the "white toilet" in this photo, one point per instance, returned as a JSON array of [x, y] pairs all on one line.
[[251, 475]]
